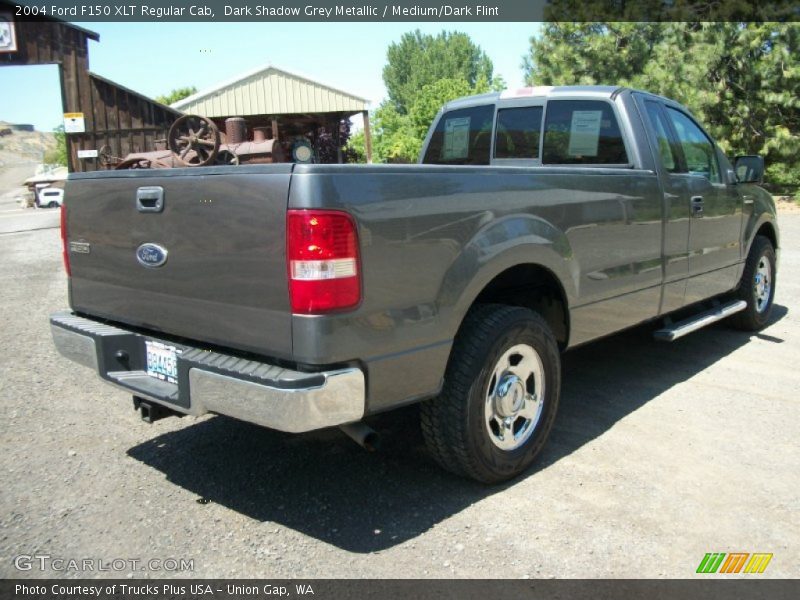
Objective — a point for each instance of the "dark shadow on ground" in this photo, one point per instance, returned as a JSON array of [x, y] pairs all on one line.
[[607, 380], [325, 486]]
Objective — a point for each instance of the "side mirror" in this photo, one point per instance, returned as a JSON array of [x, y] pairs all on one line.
[[750, 169]]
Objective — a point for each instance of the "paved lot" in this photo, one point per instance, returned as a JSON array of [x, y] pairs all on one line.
[[661, 453], [17, 220]]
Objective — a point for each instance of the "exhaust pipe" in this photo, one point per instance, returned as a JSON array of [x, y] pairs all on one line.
[[363, 435]]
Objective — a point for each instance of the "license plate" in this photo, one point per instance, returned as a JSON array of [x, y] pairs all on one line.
[[162, 361]]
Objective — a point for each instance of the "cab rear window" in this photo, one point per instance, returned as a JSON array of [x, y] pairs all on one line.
[[462, 137], [518, 132]]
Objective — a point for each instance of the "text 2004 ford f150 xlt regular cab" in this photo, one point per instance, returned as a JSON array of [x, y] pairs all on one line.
[[307, 296]]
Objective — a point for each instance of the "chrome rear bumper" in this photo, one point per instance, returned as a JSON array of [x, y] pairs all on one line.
[[258, 392]]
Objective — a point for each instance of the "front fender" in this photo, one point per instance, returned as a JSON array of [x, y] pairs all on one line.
[[764, 211]]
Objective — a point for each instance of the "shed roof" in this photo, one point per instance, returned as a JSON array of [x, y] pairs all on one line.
[[130, 92], [270, 90]]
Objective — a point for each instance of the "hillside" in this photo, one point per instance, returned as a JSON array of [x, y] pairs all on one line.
[[24, 146]]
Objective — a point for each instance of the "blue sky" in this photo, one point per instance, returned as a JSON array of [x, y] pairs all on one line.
[[154, 58]]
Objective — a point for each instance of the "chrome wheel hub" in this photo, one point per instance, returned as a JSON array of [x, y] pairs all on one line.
[[510, 395], [514, 397], [762, 286]]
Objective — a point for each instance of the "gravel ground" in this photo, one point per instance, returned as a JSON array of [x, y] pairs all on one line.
[[660, 454]]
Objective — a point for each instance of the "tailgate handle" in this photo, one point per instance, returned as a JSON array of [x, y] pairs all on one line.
[[150, 199]]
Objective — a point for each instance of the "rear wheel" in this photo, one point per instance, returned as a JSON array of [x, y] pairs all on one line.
[[52, 205], [500, 395], [757, 287]]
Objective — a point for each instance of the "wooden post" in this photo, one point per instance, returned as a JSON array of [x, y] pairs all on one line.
[[275, 129], [367, 136], [77, 93]]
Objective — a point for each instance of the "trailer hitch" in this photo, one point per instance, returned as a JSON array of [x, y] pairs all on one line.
[[152, 412]]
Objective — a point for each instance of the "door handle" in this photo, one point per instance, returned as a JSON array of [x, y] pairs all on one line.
[[150, 199], [697, 206]]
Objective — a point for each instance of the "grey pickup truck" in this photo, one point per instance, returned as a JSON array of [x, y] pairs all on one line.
[[300, 297]]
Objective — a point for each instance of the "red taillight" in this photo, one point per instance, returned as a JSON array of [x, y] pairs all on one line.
[[64, 248], [323, 262]]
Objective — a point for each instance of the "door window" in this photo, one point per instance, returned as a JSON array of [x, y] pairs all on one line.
[[699, 152], [661, 128]]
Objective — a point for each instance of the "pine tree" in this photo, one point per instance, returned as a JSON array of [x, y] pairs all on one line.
[[742, 80]]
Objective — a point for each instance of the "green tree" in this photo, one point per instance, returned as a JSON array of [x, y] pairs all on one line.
[[398, 138], [176, 94], [590, 53], [58, 154], [422, 73], [741, 79], [394, 136], [419, 59], [357, 148], [430, 99]]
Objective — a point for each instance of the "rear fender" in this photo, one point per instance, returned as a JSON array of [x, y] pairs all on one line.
[[503, 244]]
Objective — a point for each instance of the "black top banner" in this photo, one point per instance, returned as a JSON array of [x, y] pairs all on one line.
[[407, 10]]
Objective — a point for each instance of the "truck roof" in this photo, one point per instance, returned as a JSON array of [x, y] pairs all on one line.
[[541, 91]]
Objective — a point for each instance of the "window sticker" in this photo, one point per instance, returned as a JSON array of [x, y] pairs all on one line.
[[456, 138], [584, 133]]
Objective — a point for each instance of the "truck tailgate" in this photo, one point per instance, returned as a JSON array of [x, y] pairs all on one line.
[[223, 229]]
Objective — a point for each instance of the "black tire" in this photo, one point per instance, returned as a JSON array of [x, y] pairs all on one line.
[[454, 424], [52, 205], [754, 318]]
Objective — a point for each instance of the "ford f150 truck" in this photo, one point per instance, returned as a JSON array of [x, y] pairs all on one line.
[[300, 297]]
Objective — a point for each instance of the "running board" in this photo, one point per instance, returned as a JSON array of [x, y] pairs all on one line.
[[673, 331]]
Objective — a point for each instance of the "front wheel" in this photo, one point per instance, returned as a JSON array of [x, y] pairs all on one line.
[[757, 287], [500, 395]]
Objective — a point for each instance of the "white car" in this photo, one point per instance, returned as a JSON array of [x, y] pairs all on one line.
[[51, 197]]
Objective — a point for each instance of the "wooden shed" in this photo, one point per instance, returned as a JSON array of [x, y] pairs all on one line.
[[287, 103]]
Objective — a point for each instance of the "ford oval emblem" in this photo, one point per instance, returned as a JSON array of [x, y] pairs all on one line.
[[151, 255]]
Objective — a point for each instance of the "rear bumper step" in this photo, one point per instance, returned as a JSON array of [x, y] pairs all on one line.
[[677, 330], [258, 392]]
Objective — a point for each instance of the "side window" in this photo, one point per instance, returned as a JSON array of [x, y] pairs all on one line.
[[582, 132], [462, 137], [518, 132], [699, 152], [662, 137]]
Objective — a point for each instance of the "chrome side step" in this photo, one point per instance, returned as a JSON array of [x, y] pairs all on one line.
[[673, 331]]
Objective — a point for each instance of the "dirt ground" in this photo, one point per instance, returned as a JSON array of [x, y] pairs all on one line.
[[660, 454]]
